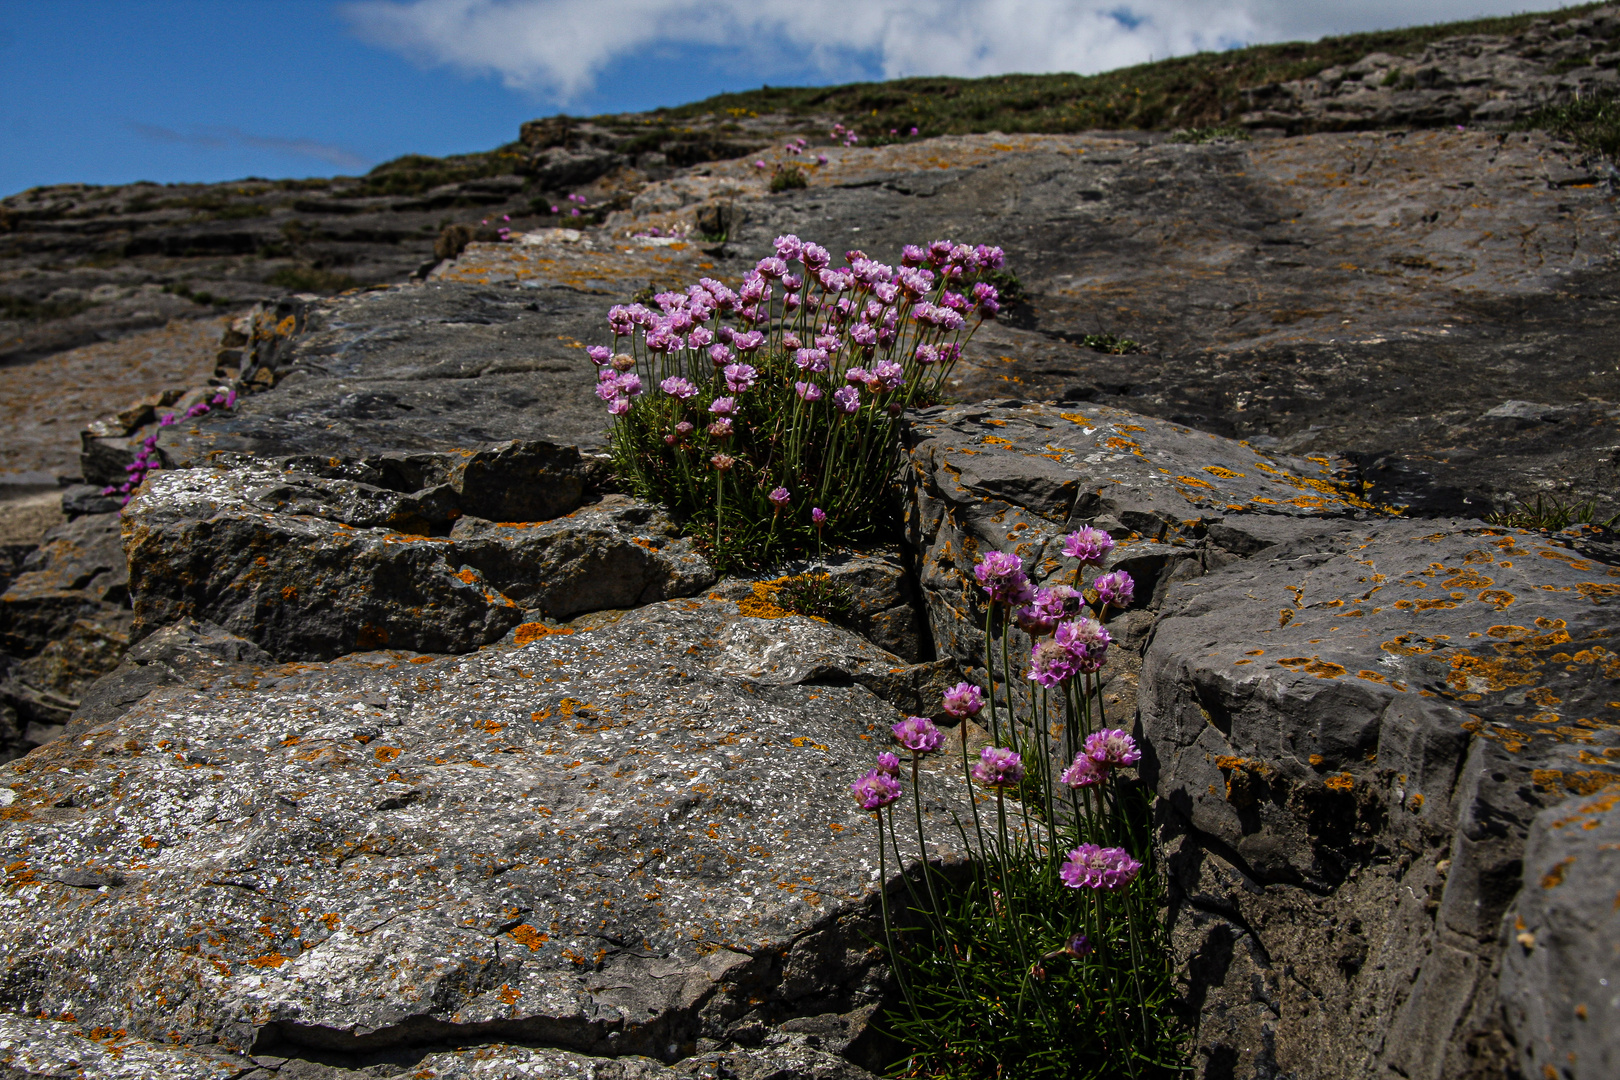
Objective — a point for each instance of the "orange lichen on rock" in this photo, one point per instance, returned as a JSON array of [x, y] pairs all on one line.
[[534, 631]]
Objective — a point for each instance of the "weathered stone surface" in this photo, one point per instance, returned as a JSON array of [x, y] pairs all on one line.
[[1017, 477], [1561, 942], [1479, 78], [620, 841], [1350, 737], [78, 568], [311, 567]]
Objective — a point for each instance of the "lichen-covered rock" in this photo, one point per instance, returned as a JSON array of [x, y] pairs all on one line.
[[617, 553], [1560, 983], [616, 842], [1018, 476], [1349, 737], [78, 570], [311, 567]]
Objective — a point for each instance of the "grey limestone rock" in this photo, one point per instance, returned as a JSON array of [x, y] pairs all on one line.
[[1350, 737], [632, 840], [311, 567], [78, 569], [1560, 983]]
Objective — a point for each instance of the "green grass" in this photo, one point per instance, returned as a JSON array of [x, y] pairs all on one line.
[[415, 174], [1551, 514], [25, 310], [1592, 123], [310, 279], [1204, 90]]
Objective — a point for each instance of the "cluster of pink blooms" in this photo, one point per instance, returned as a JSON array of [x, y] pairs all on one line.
[[1102, 868], [848, 136], [862, 338], [797, 146], [896, 131], [881, 786], [505, 231], [147, 459], [574, 211], [1104, 751]]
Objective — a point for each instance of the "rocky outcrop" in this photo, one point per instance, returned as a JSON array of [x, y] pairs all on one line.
[[1350, 738], [1561, 939], [310, 567], [1477, 78], [653, 854]]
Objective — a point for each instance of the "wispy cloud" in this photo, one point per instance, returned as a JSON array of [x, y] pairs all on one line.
[[219, 138], [559, 48]]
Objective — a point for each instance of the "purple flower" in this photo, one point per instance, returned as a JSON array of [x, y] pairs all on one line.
[[1050, 664], [818, 516], [740, 377], [1078, 946], [771, 267], [1086, 641], [721, 428], [808, 391], [991, 258], [791, 340], [788, 247], [619, 406], [875, 790], [1112, 747], [998, 767], [700, 337], [719, 355], [723, 406], [848, 399], [811, 359], [888, 764], [1088, 544], [683, 429], [912, 255], [821, 159], [927, 354], [748, 341], [167, 420], [888, 374], [963, 700], [1093, 867], [914, 131], [599, 354], [1114, 589], [918, 734], [1001, 576], [722, 462], [1045, 611], [1082, 773], [759, 164], [678, 387], [779, 497]]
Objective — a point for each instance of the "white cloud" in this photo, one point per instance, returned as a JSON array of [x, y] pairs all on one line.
[[558, 48]]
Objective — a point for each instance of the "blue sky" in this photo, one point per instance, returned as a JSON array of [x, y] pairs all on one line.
[[112, 91]]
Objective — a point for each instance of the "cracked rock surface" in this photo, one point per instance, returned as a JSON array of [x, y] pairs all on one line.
[[651, 846]]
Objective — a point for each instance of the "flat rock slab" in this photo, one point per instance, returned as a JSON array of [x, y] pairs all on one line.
[[413, 368], [587, 261], [1560, 985], [1350, 737], [310, 567], [617, 841]]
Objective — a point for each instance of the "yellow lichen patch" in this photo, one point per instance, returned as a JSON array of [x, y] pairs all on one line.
[[1313, 665], [1486, 675], [1555, 877], [997, 440], [1222, 472], [1316, 760], [371, 637], [268, 960], [1075, 418], [1423, 605], [1372, 676], [534, 631], [568, 706], [387, 753], [524, 934], [1193, 481], [1596, 591], [1285, 616], [1497, 598], [1343, 782]]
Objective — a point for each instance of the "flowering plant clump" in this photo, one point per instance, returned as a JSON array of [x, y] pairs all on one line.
[[1050, 959], [769, 414], [147, 460]]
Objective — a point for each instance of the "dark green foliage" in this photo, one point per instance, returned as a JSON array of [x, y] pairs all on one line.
[[21, 307], [1111, 344], [788, 177], [816, 594], [414, 174], [310, 279], [1551, 514], [1186, 92], [1592, 122], [196, 296], [1008, 288]]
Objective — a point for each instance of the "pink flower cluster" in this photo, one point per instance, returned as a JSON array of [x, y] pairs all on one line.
[[147, 459], [1104, 751], [1102, 868], [848, 136]]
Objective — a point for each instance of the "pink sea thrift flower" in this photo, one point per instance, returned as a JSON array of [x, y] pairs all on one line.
[[1088, 544], [1112, 747], [1050, 664], [808, 391], [888, 764], [740, 377], [779, 497], [1114, 589], [963, 700], [875, 790], [818, 516], [999, 767], [678, 387], [723, 406], [918, 734], [1001, 576], [1084, 772], [848, 399], [1093, 867]]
